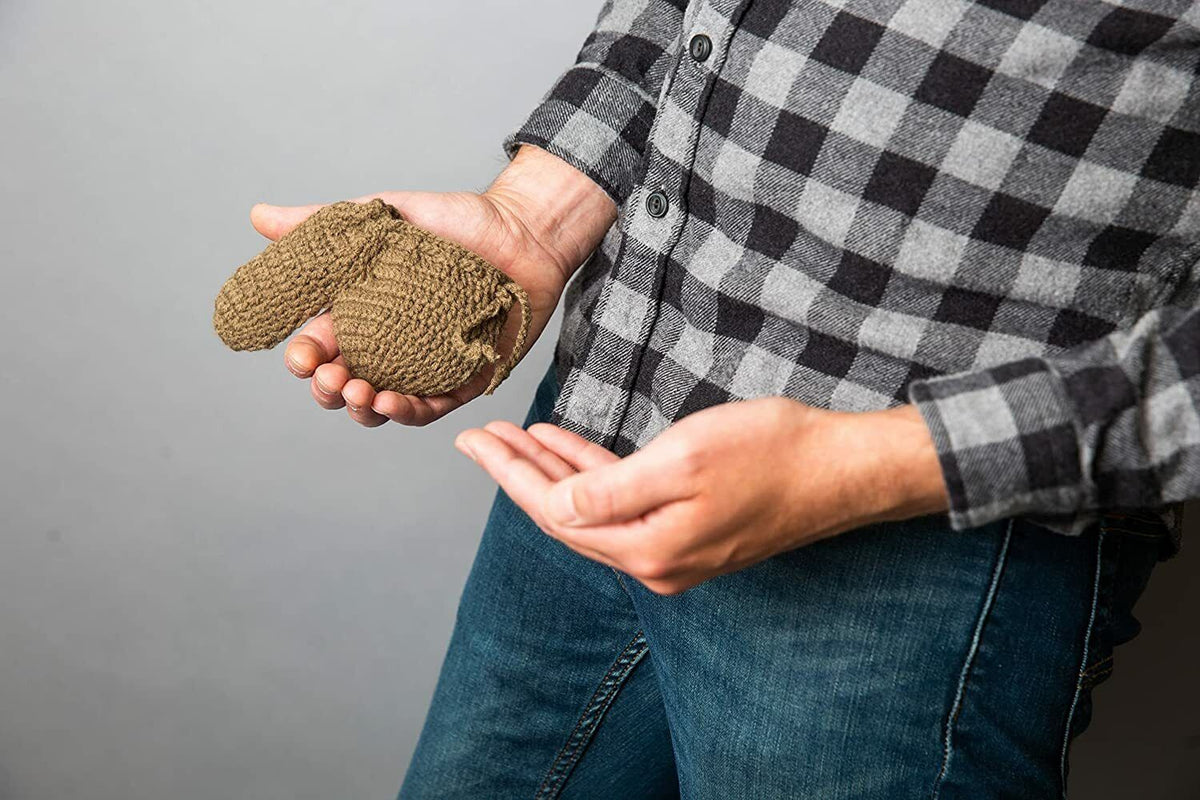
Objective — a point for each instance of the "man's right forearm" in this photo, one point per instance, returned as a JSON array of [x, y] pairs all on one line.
[[559, 207]]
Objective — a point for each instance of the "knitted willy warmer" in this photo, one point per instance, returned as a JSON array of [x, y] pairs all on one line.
[[412, 312]]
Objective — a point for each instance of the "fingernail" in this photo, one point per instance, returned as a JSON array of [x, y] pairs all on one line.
[[321, 388], [560, 506], [354, 408], [294, 368]]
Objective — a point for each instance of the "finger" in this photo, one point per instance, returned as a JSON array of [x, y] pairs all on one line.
[[431, 408], [367, 418], [636, 547], [327, 383], [395, 406], [412, 410], [572, 448], [408, 409], [520, 440], [274, 221], [520, 478], [647, 547], [620, 490], [359, 396], [312, 347]]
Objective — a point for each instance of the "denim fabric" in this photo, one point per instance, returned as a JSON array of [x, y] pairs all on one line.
[[903, 660]]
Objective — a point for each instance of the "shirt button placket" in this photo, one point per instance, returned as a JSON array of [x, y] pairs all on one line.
[[665, 217]]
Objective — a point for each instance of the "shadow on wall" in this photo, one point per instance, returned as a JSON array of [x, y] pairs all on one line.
[[1144, 741]]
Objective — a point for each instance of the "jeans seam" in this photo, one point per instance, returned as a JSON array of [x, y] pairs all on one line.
[[969, 660], [621, 582], [1098, 665], [1082, 676], [591, 717], [1127, 532]]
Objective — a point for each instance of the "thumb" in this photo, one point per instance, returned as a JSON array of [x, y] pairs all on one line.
[[617, 491], [274, 221]]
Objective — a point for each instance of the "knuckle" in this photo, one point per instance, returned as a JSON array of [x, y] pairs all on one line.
[[592, 501], [651, 568], [689, 457], [664, 587], [555, 530]]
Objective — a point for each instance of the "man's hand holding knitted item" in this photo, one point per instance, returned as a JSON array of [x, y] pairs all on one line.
[[537, 223]]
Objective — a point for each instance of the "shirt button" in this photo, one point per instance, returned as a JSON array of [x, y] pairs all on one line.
[[700, 47], [657, 204]]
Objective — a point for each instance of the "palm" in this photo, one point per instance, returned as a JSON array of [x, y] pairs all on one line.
[[469, 219]]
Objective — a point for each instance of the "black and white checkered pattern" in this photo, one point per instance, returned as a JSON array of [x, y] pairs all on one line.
[[990, 209]]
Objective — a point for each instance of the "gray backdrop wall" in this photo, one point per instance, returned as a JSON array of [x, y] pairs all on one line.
[[209, 588]]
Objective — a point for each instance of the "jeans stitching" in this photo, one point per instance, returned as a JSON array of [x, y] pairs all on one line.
[[589, 720], [969, 661], [1098, 666], [1083, 660], [1094, 679], [621, 582], [1127, 532]]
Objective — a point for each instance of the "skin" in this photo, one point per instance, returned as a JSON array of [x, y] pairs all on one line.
[[538, 221], [718, 491]]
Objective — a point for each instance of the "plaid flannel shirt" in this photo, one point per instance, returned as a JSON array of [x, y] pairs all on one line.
[[989, 209]]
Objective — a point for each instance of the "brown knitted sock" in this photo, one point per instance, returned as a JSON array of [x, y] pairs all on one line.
[[412, 312]]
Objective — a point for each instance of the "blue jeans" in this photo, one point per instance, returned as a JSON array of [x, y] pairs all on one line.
[[901, 660]]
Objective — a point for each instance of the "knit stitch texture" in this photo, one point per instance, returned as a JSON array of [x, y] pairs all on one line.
[[412, 312]]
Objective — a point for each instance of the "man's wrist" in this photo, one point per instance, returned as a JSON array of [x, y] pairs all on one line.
[[906, 464], [560, 208]]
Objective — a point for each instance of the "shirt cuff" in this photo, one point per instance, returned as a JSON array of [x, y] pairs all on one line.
[[1008, 444], [597, 122]]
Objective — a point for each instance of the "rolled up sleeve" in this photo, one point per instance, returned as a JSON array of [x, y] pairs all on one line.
[[1113, 424], [597, 116]]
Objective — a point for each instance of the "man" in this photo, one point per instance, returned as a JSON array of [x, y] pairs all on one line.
[[870, 414]]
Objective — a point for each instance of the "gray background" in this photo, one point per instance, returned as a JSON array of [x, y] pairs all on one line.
[[209, 588]]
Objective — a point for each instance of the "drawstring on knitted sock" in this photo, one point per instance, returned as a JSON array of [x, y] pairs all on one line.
[[506, 366]]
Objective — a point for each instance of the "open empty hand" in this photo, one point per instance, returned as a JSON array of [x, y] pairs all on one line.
[[718, 491]]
